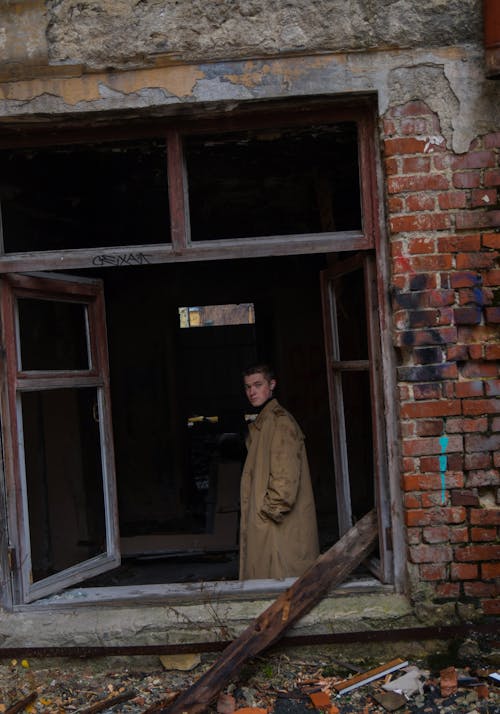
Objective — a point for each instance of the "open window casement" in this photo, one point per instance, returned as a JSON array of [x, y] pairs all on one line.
[[352, 344], [56, 423]]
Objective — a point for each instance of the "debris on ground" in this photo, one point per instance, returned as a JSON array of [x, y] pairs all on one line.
[[274, 683]]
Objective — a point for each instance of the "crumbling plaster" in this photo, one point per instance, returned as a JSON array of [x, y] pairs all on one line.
[[156, 57]]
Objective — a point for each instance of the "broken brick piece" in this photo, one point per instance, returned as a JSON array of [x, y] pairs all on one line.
[[226, 704], [483, 691], [320, 700], [449, 681]]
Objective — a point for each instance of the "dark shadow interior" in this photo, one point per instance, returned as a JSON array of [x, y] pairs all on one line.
[[177, 402]]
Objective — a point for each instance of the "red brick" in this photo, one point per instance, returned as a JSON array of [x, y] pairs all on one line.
[[477, 461], [427, 391], [396, 147], [457, 353], [429, 427], [492, 388], [459, 534], [482, 197], [474, 160], [477, 296], [460, 425], [461, 243], [467, 315], [413, 536], [448, 590], [491, 607], [492, 314], [440, 298], [391, 166], [436, 534], [431, 554], [492, 278], [435, 516], [464, 497], [489, 571], [465, 279], [430, 571], [431, 262], [475, 261], [481, 406], [395, 204], [443, 407], [422, 222], [452, 199], [492, 177], [416, 164], [469, 389], [412, 500], [492, 140], [420, 202], [477, 552], [431, 445], [482, 442], [477, 479], [485, 516], [491, 240], [483, 534], [416, 126], [492, 352], [413, 108], [434, 499], [389, 127], [471, 370], [477, 219], [466, 179], [421, 245], [480, 589], [423, 182], [431, 482], [464, 571], [475, 353]]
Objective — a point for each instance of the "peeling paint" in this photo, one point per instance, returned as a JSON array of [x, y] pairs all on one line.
[[253, 73], [178, 81]]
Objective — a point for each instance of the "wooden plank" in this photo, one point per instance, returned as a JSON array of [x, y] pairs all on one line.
[[347, 685], [329, 570]]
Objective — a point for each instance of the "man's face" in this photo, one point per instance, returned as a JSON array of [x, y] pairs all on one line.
[[258, 388]]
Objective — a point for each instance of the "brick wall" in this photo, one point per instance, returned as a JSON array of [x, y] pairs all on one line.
[[444, 219]]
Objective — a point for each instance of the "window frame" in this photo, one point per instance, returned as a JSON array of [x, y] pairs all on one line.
[[88, 292]]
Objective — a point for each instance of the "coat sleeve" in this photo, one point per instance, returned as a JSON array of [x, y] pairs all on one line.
[[284, 472]]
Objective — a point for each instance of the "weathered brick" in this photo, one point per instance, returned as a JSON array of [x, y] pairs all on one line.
[[473, 160], [492, 140], [464, 497], [448, 591], [482, 443], [475, 369], [492, 277], [469, 389], [412, 500], [492, 177], [452, 199], [492, 388], [491, 607], [468, 553], [483, 534], [465, 279], [477, 461], [491, 240], [485, 477], [467, 315], [430, 572], [425, 373], [477, 219], [481, 406], [475, 296], [485, 516], [459, 534], [431, 554], [435, 516], [467, 179], [416, 164], [483, 197], [490, 570], [400, 146], [430, 336], [432, 482], [431, 390], [461, 425], [418, 182], [461, 243], [492, 314], [439, 298], [420, 202], [480, 589], [422, 222], [464, 571], [475, 353], [429, 427], [456, 352], [476, 261], [436, 534], [492, 352]]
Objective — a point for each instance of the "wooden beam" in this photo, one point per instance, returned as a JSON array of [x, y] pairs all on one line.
[[329, 570]]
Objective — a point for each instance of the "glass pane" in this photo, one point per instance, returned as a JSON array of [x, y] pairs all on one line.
[[351, 316], [282, 182], [52, 335], [64, 478], [85, 196], [358, 426]]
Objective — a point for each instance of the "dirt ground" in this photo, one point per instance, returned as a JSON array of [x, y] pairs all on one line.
[[283, 681]]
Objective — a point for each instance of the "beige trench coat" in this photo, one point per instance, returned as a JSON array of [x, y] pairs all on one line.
[[278, 530]]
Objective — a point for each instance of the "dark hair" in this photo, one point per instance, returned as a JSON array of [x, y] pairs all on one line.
[[260, 368]]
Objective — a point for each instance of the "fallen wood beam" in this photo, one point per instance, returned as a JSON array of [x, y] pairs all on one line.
[[109, 702], [21, 704], [328, 571]]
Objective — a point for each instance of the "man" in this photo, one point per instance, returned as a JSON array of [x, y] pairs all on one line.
[[278, 531]]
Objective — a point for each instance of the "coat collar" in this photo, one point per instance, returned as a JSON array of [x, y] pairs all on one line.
[[270, 407]]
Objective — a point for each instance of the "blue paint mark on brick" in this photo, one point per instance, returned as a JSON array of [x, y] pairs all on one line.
[[443, 460]]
